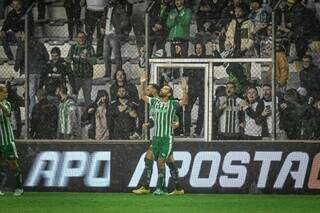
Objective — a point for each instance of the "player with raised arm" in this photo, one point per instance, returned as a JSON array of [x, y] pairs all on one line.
[[8, 152], [164, 110], [152, 90]]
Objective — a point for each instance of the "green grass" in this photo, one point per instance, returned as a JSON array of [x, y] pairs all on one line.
[[120, 202]]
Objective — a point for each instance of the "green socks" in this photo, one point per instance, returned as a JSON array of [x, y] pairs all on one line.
[[18, 177], [174, 174], [161, 178], [148, 170]]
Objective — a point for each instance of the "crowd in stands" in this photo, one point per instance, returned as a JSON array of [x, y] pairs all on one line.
[[225, 29]]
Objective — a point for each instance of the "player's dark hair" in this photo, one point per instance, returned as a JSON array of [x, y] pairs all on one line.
[[56, 50]]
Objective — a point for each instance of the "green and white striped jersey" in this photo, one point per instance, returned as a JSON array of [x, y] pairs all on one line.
[[163, 116], [6, 133], [68, 117]]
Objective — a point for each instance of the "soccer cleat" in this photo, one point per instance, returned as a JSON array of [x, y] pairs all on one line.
[[159, 192], [18, 192], [141, 191], [177, 192], [1, 193]]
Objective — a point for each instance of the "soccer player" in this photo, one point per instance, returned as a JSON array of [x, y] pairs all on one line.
[[8, 152], [152, 90], [164, 110]]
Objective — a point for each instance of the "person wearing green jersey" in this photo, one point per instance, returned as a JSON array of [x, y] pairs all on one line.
[[164, 110], [8, 151], [152, 90]]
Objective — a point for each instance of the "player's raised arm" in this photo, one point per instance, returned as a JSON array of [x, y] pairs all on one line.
[[143, 80], [184, 100]]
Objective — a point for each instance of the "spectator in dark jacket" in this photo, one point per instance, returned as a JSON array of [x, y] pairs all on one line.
[[290, 115], [93, 116], [310, 76], [13, 28], [37, 63], [303, 26], [117, 26], [120, 78], [122, 117], [158, 30], [16, 102], [44, 119], [56, 74]]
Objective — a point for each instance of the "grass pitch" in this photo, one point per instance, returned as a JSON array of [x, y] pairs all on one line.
[[55, 202]]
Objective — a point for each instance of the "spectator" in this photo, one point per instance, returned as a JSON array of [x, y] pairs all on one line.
[[310, 76], [178, 23], [44, 118], [13, 28], [195, 90], [68, 121], [282, 66], [303, 26], [253, 108], [122, 116], [56, 74], [73, 12], [158, 30], [205, 14], [307, 110], [239, 33], [120, 78], [83, 57], [16, 102], [259, 16], [38, 58], [117, 26], [260, 19], [227, 15], [96, 115], [314, 116], [93, 19], [227, 111], [267, 128], [291, 114], [219, 92], [139, 8], [239, 37]]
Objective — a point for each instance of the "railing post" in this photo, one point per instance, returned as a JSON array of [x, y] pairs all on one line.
[[274, 68]]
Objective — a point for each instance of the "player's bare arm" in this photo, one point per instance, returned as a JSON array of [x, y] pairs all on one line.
[[143, 80]]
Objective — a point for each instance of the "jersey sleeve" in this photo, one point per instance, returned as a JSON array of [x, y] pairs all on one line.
[[6, 108], [175, 103], [152, 101]]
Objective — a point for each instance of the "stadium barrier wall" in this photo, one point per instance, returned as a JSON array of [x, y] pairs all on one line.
[[230, 167]]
